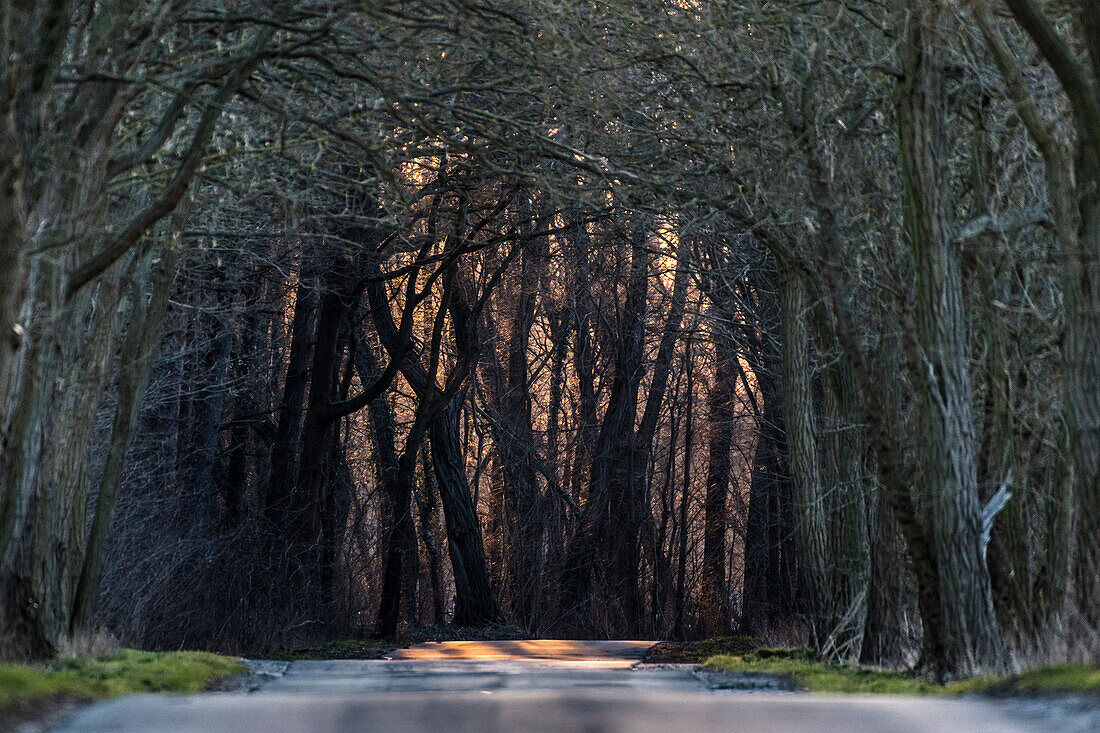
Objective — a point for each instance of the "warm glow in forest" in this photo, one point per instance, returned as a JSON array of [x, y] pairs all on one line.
[[758, 335]]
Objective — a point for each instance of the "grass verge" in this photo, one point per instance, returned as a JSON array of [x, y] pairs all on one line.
[[799, 666], [1061, 679], [107, 675]]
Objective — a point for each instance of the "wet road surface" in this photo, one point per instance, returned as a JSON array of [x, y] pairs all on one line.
[[482, 687]]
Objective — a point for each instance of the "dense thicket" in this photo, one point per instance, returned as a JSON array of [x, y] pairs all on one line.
[[596, 318]]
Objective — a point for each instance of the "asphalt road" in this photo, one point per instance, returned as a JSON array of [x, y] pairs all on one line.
[[479, 687]]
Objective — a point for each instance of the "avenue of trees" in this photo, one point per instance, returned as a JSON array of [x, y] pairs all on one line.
[[654, 319]]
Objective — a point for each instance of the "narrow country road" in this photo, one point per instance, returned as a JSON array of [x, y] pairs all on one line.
[[546, 685]]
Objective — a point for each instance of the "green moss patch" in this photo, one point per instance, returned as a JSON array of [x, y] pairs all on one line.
[[1062, 679], [800, 667], [119, 673]]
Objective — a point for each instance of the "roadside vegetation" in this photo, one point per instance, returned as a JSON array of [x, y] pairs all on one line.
[[1061, 679], [107, 675], [802, 668]]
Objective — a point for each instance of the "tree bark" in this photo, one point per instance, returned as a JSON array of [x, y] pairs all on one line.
[[846, 507], [284, 447], [809, 506], [310, 526], [970, 637], [1067, 204], [714, 598], [13, 242], [680, 610]]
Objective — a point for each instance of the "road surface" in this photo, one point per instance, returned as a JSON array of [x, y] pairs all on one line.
[[482, 687]]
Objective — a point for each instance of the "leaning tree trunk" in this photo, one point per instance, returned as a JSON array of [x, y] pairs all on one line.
[[474, 601], [45, 471]]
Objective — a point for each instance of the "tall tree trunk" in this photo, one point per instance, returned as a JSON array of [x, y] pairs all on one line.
[[45, 463], [1007, 555], [680, 611], [309, 524], [284, 447], [575, 580], [655, 405], [970, 637], [886, 634], [555, 452], [714, 598], [881, 382], [846, 508], [1070, 205], [1081, 355], [475, 604], [809, 507], [762, 531], [1081, 364], [13, 243], [768, 586]]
